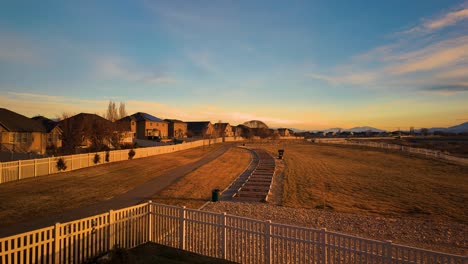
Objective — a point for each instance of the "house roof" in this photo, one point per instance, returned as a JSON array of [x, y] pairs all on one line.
[[88, 118], [197, 125], [174, 121], [15, 122], [126, 119], [221, 126], [140, 116], [48, 124]]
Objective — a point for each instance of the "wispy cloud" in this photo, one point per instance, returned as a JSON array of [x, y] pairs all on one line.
[[415, 62], [115, 67], [203, 60], [18, 49], [441, 21]]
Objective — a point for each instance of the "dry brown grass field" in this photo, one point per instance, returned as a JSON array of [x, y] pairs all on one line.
[[373, 181], [194, 189], [36, 197]]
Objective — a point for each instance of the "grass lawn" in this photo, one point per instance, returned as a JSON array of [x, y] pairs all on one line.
[[370, 181], [35, 197], [194, 189]]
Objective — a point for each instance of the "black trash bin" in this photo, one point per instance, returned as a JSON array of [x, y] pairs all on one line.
[[280, 153], [215, 195]]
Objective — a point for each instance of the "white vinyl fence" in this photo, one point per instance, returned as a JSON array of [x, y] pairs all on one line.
[[22, 169], [234, 238], [426, 152]]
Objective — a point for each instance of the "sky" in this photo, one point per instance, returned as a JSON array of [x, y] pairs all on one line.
[[296, 64]]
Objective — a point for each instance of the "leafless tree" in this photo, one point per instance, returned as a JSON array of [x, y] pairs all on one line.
[[112, 113], [122, 110]]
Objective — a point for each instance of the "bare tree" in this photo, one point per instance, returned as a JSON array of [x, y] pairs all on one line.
[[122, 110], [112, 113]]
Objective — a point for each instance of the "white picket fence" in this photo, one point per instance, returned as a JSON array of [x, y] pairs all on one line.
[[427, 152], [233, 238], [22, 169]]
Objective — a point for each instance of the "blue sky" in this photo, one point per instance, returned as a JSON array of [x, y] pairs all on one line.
[[302, 64]]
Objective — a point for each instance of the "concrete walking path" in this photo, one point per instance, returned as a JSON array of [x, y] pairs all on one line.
[[137, 195]]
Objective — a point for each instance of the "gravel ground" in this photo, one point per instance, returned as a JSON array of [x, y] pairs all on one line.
[[428, 234]]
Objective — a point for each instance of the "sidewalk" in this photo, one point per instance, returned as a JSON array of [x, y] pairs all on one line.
[[137, 195]]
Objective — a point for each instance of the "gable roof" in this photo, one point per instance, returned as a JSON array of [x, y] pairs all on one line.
[[197, 126], [48, 124], [126, 119], [140, 116], [174, 120], [221, 126], [15, 122], [87, 119]]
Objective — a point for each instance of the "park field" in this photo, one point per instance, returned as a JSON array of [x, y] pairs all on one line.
[[36, 197], [373, 181]]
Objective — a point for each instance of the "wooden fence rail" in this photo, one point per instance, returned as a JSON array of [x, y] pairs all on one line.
[[233, 238], [427, 152], [22, 169]]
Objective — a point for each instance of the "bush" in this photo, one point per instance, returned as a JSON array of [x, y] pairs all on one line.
[[131, 154], [61, 164], [96, 158], [107, 156]]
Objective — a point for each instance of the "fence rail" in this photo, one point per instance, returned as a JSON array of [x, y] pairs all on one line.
[[427, 152], [217, 235], [22, 169]]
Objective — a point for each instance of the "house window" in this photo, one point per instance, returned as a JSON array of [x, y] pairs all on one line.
[[20, 137], [133, 123], [151, 123]]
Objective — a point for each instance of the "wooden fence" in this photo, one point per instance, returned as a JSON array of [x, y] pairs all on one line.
[[234, 238], [22, 169], [427, 152]]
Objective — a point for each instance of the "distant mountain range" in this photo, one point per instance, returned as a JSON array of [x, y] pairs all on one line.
[[461, 128], [453, 129], [337, 129]]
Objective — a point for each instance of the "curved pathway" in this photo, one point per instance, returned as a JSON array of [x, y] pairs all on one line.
[[137, 195], [254, 183]]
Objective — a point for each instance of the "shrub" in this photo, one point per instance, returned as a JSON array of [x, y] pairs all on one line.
[[107, 156], [96, 158], [61, 164], [131, 154]]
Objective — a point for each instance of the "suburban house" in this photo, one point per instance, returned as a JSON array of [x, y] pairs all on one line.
[[200, 129], [87, 131], [126, 127], [284, 132], [223, 130], [150, 127], [54, 133], [22, 134], [177, 128]]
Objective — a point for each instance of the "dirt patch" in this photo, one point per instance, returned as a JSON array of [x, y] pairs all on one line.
[[194, 189]]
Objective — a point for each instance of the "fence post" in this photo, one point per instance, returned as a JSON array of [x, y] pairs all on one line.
[[150, 220], [223, 235], [1, 172], [268, 259], [111, 229], [19, 169], [49, 167], [35, 167], [324, 245], [88, 159], [182, 228], [57, 243], [388, 251]]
